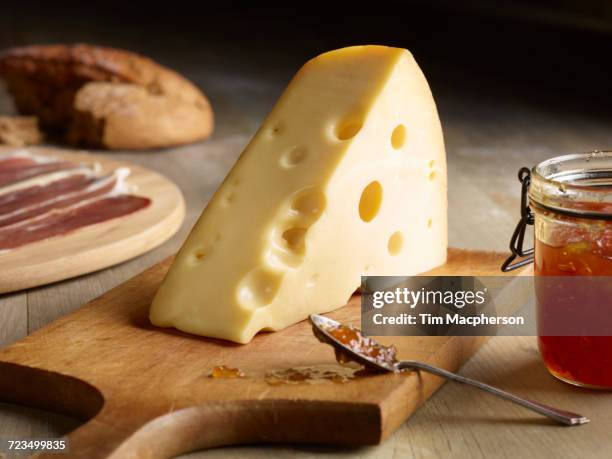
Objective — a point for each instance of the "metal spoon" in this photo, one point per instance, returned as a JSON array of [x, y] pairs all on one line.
[[322, 326]]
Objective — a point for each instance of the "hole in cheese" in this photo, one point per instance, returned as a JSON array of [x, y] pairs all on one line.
[[431, 164], [371, 199], [429, 223], [276, 130], [312, 281], [395, 244], [293, 157], [398, 137], [294, 238], [281, 257], [309, 203], [199, 254], [348, 129], [229, 198], [258, 288], [432, 176]]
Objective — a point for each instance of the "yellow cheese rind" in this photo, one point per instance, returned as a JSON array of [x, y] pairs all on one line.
[[346, 177]]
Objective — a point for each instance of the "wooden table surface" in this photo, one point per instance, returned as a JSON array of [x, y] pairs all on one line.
[[488, 137]]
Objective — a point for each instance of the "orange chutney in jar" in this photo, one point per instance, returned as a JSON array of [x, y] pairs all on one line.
[[573, 268], [586, 360]]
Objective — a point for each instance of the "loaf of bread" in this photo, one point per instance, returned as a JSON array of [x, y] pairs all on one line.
[[105, 98]]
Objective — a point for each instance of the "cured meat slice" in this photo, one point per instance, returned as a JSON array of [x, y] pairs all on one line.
[[15, 162], [60, 223], [17, 159], [42, 197], [29, 196], [45, 179], [22, 169], [11, 174], [37, 200]]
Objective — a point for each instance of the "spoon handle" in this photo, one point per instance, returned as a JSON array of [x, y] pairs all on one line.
[[561, 416]]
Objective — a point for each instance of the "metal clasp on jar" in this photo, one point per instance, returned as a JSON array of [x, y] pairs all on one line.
[[518, 237]]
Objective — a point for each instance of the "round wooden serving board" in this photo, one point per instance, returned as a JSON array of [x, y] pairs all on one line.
[[101, 245]]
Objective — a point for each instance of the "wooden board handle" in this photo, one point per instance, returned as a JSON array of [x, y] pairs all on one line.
[[125, 429], [220, 424]]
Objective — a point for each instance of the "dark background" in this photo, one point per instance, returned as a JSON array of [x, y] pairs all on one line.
[[554, 51]]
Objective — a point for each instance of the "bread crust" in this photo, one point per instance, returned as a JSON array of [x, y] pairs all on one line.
[[129, 117], [46, 81]]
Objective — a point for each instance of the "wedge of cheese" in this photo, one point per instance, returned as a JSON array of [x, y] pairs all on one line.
[[346, 177]]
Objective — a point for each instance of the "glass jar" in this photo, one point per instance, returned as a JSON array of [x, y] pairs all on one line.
[[570, 205]]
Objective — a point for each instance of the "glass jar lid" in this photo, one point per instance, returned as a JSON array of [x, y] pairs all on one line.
[[578, 184]]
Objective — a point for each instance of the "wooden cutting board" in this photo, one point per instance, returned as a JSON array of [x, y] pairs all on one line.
[[101, 245], [147, 392]]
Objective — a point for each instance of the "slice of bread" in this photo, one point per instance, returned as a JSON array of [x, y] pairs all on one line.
[[146, 105], [19, 131]]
